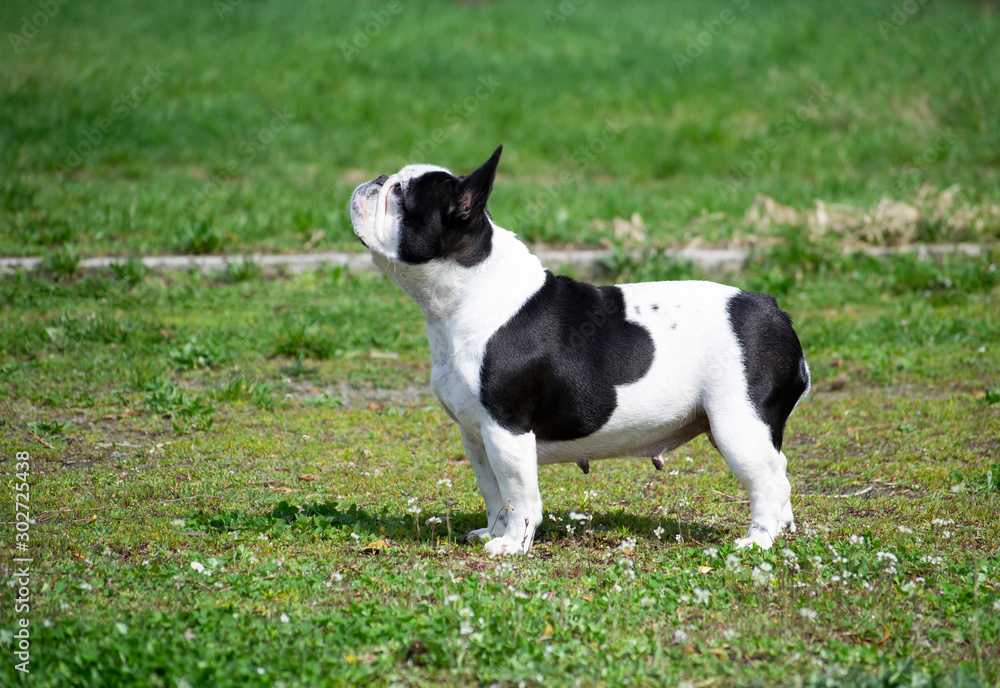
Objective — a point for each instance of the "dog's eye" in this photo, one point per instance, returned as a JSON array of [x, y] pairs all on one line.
[[397, 190]]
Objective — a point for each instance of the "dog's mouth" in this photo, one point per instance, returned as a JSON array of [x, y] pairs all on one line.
[[369, 210]]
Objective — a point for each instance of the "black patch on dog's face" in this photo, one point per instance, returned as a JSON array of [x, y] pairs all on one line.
[[773, 363], [444, 216], [553, 367]]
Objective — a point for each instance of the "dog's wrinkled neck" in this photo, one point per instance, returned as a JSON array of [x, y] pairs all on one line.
[[507, 274]]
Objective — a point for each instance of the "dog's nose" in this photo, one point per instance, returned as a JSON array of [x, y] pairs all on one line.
[[382, 178]]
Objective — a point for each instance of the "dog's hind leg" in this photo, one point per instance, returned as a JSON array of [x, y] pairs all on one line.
[[745, 443], [496, 511]]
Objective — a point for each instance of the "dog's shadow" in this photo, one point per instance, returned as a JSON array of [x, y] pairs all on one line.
[[600, 528]]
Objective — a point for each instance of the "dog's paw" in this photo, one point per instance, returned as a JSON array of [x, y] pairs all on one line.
[[787, 521], [502, 546], [757, 536], [479, 535]]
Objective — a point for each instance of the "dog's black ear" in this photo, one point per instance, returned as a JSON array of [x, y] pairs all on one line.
[[474, 189]]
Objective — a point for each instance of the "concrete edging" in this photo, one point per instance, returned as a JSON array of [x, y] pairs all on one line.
[[710, 260]]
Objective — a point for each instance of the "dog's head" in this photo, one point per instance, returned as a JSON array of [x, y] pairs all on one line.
[[424, 213]]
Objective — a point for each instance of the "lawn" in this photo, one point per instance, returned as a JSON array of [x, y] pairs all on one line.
[[207, 127], [242, 479]]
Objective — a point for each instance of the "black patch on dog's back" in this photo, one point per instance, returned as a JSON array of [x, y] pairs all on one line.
[[553, 367], [775, 369]]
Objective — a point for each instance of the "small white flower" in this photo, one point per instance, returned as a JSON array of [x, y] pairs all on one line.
[[617, 588], [284, 618], [444, 481], [857, 540], [730, 634], [121, 628], [996, 605], [909, 586], [674, 472], [733, 562], [86, 586], [761, 576], [689, 459], [337, 576], [905, 529], [711, 552], [178, 523], [451, 598], [627, 545], [198, 566], [808, 614], [355, 536], [432, 521], [789, 555], [680, 636], [658, 532], [261, 670], [701, 596], [465, 613], [886, 556], [574, 516], [678, 538], [465, 628]]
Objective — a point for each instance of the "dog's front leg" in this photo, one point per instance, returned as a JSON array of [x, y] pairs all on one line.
[[496, 510], [515, 465]]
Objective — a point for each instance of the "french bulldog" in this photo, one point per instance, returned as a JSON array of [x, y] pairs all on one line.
[[537, 368]]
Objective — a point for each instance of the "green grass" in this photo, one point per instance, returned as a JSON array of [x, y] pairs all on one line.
[[210, 459], [794, 101], [241, 479]]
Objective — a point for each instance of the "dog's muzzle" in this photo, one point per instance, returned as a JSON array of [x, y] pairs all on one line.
[[363, 202]]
